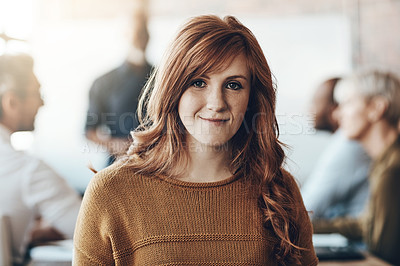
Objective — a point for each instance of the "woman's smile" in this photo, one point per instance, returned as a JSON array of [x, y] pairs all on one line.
[[215, 121]]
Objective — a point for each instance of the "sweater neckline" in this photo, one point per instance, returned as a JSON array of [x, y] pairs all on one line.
[[188, 184]]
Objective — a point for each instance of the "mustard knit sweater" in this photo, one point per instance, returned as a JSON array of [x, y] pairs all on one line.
[[128, 219]]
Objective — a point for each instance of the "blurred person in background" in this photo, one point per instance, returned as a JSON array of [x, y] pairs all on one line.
[[113, 97], [338, 185], [28, 187], [369, 112]]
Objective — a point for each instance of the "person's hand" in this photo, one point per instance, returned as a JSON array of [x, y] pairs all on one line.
[[43, 233]]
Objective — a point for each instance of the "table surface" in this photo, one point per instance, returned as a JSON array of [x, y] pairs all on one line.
[[60, 254], [368, 261]]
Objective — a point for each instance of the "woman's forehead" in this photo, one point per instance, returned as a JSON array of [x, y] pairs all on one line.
[[224, 63]]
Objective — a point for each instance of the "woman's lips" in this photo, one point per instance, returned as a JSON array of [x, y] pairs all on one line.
[[215, 120]]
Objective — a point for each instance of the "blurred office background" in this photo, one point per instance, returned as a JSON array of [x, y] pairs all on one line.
[[305, 42]]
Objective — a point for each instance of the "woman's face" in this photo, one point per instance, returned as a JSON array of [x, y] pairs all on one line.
[[353, 116], [213, 107]]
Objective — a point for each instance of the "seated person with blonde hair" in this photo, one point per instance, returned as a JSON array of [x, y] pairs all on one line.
[[369, 112]]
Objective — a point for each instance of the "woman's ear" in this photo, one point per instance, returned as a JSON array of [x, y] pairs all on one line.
[[377, 108], [10, 104]]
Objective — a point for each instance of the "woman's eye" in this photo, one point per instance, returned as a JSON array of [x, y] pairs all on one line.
[[233, 86], [198, 84]]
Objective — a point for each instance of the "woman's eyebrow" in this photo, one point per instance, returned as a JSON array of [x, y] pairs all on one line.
[[237, 76], [203, 76]]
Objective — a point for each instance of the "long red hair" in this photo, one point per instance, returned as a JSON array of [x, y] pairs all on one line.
[[203, 45]]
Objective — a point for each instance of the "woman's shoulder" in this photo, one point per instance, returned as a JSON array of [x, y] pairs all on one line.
[[293, 190], [290, 181], [114, 178]]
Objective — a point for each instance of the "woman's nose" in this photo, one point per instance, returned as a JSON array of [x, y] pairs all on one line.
[[216, 100]]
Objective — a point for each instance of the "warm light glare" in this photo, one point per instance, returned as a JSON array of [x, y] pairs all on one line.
[[22, 141], [2, 46], [16, 19]]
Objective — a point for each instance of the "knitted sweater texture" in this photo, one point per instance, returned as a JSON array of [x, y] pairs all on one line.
[[129, 219]]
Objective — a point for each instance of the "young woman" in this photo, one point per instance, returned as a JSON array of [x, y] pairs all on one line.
[[202, 183]]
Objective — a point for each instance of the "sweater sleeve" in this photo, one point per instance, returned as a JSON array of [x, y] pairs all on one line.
[[308, 256], [92, 245], [305, 239]]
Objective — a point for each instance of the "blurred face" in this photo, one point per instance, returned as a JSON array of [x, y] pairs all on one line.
[[353, 116], [322, 108], [29, 105], [213, 107]]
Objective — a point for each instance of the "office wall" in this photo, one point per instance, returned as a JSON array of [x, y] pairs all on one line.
[[305, 41]]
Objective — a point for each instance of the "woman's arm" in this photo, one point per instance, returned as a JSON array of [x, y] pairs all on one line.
[[92, 245], [303, 224]]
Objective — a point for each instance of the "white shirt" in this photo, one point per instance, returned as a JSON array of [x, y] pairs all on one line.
[[338, 185], [29, 188]]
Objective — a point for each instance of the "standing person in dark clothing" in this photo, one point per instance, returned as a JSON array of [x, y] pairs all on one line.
[[113, 97]]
